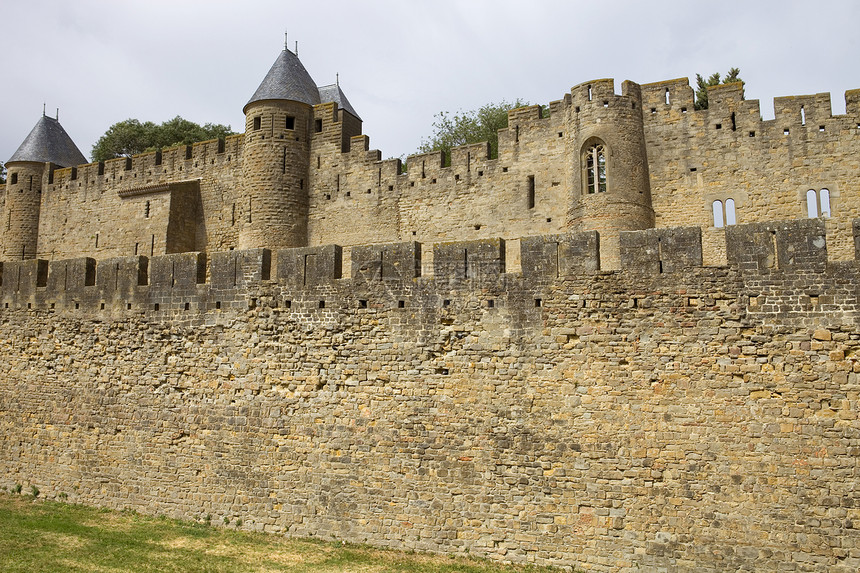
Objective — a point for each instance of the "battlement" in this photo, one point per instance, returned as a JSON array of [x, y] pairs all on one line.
[[675, 94], [726, 101], [230, 279], [148, 167]]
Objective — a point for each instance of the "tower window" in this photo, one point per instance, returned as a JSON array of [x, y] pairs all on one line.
[[318, 125], [146, 210], [14, 178], [258, 122], [818, 203], [724, 213], [595, 168], [291, 122]]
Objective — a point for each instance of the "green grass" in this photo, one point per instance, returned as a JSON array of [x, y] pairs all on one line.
[[44, 536]]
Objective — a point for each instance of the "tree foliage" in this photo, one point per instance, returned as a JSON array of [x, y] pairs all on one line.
[[702, 85], [2, 172], [475, 126], [129, 137]]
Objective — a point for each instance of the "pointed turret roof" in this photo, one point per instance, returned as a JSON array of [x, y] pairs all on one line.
[[287, 79], [335, 94], [48, 142]]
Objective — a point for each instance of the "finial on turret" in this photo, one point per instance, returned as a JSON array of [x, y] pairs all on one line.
[[297, 47], [58, 114], [43, 108], [286, 41], [337, 79]]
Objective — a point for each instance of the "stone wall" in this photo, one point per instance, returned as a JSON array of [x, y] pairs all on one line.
[[183, 198], [661, 154], [766, 167], [667, 416]]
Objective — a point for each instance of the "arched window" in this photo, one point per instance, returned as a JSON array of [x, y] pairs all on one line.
[[730, 212], [812, 203], [717, 207], [724, 213], [595, 168], [824, 202], [818, 203]]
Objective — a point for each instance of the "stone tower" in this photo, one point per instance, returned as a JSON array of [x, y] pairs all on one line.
[[275, 162], [48, 146], [611, 191]]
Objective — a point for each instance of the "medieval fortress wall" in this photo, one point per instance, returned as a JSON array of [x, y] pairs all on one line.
[[557, 355], [667, 416]]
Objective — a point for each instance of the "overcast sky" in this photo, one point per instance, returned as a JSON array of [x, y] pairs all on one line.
[[400, 62]]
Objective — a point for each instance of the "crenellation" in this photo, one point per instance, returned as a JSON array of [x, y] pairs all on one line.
[[177, 271], [309, 266], [464, 260], [809, 111], [70, 276], [680, 95], [760, 249], [234, 269], [656, 251], [22, 278], [789, 246], [117, 278], [725, 97], [556, 256], [394, 261]]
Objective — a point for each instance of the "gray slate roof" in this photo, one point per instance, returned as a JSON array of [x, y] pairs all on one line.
[[287, 79], [335, 94], [48, 142]]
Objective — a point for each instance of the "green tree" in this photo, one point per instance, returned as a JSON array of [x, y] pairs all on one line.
[[123, 139], [702, 85], [462, 128], [2, 172], [129, 137]]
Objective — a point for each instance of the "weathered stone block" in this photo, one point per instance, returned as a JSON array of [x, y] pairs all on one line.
[[560, 255], [310, 265], [240, 268], [23, 277], [655, 251], [180, 270], [71, 275], [395, 261], [122, 274], [761, 247], [469, 259]]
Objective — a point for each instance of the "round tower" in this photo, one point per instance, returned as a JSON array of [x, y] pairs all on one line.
[[611, 190], [276, 157], [47, 146], [21, 217]]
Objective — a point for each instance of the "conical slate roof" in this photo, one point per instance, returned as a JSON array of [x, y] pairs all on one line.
[[48, 142], [335, 94], [287, 79]]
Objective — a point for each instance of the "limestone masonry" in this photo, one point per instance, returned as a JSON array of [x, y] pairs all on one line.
[[628, 343]]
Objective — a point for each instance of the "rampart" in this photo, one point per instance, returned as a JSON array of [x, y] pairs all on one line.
[[666, 416], [668, 165]]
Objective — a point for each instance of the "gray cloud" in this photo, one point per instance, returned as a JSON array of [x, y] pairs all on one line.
[[399, 62]]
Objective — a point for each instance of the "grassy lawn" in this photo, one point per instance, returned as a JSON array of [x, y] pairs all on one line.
[[40, 536]]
